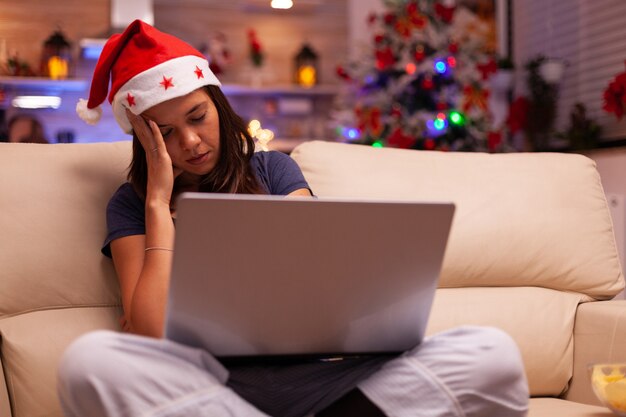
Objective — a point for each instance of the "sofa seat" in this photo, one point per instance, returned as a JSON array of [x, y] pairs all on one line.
[[554, 407]]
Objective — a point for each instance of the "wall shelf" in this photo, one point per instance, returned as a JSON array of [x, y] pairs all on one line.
[[279, 90], [42, 84]]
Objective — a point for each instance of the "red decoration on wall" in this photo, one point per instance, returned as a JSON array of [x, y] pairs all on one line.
[[615, 96], [256, 51]]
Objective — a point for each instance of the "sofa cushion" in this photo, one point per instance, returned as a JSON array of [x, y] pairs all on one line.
[[522, 219], [51, 235], [553, 407], [32, 345], [544, 338]]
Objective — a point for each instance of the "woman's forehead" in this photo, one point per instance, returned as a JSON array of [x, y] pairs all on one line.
[[179, 106]]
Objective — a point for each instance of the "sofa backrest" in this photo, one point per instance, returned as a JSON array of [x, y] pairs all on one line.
[[532, 238], [522, 219], [54, 283]]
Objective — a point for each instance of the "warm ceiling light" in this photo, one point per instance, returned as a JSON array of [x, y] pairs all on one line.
[[282, 4], [36, 102]]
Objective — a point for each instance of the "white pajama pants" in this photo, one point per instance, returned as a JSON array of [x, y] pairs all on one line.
[[465, 372]]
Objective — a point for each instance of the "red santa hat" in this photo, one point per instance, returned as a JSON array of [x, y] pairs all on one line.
[[145, 67]]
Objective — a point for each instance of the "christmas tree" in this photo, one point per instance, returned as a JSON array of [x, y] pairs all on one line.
[[423, 81]]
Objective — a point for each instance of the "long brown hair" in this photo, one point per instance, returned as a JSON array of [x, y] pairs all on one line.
[[232, 173]]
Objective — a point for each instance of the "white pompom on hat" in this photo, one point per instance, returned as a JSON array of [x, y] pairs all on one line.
[[145, 67]]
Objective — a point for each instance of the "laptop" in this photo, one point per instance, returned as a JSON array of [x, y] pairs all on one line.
[[268, 276]]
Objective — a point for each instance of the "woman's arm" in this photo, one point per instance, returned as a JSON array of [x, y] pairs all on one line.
[[144, 277], [143, 262], [303, 192]]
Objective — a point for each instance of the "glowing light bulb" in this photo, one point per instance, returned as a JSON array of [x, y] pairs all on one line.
[[263, 137], [282, 4], [253, 127], [441, 67], [456, 118]]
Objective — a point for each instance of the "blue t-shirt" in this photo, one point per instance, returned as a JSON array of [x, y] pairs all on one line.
[[276, 172]]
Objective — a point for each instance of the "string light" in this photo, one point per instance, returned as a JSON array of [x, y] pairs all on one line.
[[377, 144], [441, 67], [351, 133], [438, 125], [456, 118], [263, 136], [253, 127]]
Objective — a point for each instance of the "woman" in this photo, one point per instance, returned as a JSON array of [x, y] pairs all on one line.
[[186, 137], [25, 128]]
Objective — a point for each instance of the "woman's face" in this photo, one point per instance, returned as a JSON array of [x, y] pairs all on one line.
[[190, 129]]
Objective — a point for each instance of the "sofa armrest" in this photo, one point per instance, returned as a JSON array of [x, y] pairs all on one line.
[[5, 408], [599, 336]]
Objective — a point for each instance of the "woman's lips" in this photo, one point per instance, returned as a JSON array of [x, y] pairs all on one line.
[[200, 159]]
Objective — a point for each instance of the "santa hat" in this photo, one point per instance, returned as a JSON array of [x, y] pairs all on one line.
[[145, 67]]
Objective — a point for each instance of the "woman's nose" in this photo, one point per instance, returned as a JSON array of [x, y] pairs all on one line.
[[190, 139]]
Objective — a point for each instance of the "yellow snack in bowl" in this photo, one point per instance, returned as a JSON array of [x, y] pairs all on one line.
[[615, 394], [600, 379]]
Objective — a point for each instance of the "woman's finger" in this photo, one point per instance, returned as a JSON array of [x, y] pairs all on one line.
[[141, 129], [159, 144]]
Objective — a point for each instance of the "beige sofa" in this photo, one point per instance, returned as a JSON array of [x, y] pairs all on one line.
[[531, 251]]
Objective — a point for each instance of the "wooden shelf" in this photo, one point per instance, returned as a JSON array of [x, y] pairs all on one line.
[[43, 84], [279, 90]]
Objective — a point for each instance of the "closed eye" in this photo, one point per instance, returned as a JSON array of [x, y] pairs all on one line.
[[199, 118], [166, 132]]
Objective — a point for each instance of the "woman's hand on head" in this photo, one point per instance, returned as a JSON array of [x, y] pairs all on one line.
[[161, 173]]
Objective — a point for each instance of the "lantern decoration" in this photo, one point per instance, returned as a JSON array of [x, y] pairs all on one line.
[[306, 73], [56, 56]]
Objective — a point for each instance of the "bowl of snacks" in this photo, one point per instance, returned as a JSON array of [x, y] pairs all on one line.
[[609, 384]]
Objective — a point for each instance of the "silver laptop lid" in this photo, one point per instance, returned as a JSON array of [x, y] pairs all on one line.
[[268, 275]]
